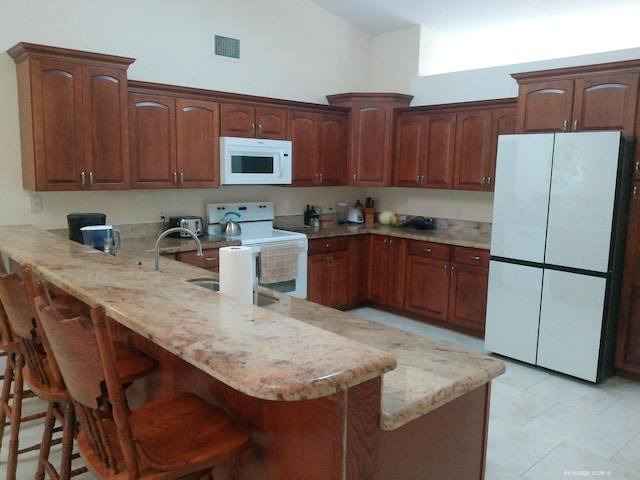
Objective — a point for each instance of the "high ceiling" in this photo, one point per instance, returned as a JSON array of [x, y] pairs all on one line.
[[447, 17]]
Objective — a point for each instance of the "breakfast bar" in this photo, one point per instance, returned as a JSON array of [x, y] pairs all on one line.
[[327, 395]]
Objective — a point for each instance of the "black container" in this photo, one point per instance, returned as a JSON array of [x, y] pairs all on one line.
[[78, 220]]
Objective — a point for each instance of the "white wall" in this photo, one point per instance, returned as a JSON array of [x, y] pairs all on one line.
[[395, 60], [291, 49]]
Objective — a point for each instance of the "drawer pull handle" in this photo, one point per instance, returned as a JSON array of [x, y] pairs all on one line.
[[475, 257], [211, 259], [427, 250]]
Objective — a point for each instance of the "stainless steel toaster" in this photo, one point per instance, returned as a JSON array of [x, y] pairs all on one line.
[[186, 221]]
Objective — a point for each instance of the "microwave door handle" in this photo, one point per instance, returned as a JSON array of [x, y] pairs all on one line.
[[281, 164]]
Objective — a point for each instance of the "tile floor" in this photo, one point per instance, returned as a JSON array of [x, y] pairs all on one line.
[[543, 426]]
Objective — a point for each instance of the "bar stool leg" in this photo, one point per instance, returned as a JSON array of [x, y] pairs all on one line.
[[16, 414], [68, 430], [47, 436], [6, 392]]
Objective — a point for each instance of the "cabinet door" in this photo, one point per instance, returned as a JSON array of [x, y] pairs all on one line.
[[396, 267], [427, 287], [409, 134], [106, 133], [337, 280], [316, 267], [152, 132], [57, 125], [468, 296], [545, 106], [503, 122], [197, 143], [271, 123], [331, 145], [358, 273], [210, 259], [237, 120], [378, 282], [628, 344], [302, 133], [439, 145], [371, 143], [472, 150], [606, 103]]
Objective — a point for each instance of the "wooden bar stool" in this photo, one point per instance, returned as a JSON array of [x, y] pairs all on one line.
[[40, 371], [167, 438]]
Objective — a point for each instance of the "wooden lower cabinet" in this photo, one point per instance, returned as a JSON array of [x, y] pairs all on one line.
[[430, 281], [385, 283], [328, 272], [469, 283], [210, 259]]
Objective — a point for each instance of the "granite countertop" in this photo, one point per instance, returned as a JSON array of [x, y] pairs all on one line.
[[428, 374], [258, 352], [464, 234]]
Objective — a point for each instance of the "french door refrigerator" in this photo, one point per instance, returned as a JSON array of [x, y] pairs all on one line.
[[557, 248]]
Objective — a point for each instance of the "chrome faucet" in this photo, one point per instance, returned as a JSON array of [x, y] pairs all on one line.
[[174, 230]]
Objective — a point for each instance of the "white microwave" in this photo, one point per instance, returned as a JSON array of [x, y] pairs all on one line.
[[255, 161]]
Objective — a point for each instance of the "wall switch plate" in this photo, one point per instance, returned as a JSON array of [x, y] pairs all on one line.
[[36, 203]]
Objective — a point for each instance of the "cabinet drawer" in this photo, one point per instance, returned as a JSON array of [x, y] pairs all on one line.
[[209, 260], [429, 250], [325, 245], [471, 256]]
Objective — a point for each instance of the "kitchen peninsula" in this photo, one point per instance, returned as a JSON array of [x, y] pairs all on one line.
[[327, 395]]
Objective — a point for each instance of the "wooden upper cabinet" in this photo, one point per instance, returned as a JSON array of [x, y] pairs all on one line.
[[244, 120], [473, 149], [545, 106], [73, 118], [606, 103], [302, 132], [174, 141], [152, 133], [594, 97], [197, 143], [451, 146], [370, 150], [319, 148]]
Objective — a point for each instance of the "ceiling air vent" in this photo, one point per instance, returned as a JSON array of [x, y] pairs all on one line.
[[226, 47]]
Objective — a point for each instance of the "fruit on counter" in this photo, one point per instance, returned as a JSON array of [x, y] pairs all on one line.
[[386, 217]]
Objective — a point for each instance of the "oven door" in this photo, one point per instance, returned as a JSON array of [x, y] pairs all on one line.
[[296, 287]]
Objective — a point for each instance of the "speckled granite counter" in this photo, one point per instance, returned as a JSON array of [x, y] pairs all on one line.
[[253, 350], [428, 374], [464, 234]]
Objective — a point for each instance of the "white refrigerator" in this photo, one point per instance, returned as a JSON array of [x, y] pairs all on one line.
[[557, 247]]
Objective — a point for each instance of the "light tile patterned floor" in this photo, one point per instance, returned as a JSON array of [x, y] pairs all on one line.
[[543, 426], [546, 426]]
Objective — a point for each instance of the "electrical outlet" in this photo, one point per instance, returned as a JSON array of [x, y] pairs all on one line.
[[163, 215], [36, 203]]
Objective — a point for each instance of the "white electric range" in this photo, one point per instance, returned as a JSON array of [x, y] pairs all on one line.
[[256, 225]]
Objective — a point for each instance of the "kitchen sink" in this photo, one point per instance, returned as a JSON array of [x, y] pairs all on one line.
[[210, 284]]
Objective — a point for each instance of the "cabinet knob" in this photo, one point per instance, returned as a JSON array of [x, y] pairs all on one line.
[[327, 245]]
